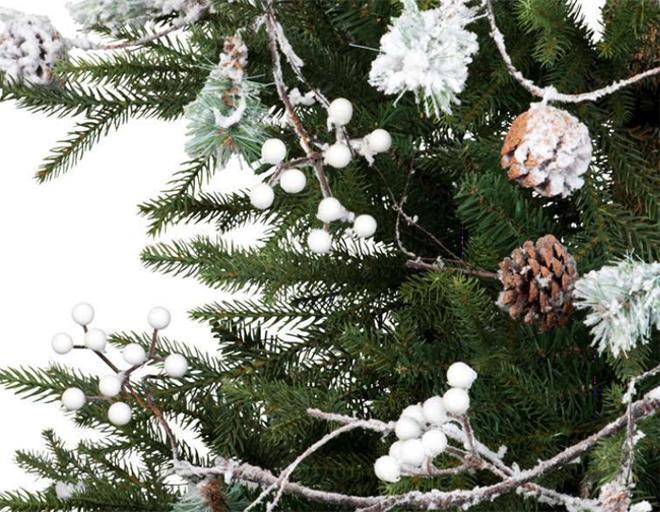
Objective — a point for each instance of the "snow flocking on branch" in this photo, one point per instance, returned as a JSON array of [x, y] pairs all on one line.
[[623, 302], [427, 53]]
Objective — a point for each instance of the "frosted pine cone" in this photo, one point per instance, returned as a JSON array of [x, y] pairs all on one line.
[[538, 281], [29, 47], [614, 497], [547, 149]]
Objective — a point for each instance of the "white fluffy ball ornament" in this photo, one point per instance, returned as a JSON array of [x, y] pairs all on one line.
[[338, 155], [407, 428], [340, 112], [460, 375], [96, 340], [62, 343], [415, 412], [73, 399], [134, 354], [319, 241], [434, 411], [387, 469], [434, 442], [456, 401], [110, 385], [120, 414], [176, 366], [262, 196], [159, 318], [273, 151], [547, 149], [395, 449], [379, 141], [365, 226], [413, 453], [330, 210], [293, 181], [83, 314]]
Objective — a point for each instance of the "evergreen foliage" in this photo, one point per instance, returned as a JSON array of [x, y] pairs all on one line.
[[358, 332]]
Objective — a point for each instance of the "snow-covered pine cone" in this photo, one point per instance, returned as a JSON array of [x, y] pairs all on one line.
[[538, 281], [547, 149], [213, 496]]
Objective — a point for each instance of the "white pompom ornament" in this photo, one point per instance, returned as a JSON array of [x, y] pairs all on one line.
[[273, 151], [262, 196], [415, 412], [96, 340], [340, 112], [159, 318], [435, 442], [62, 343], [330, 210], [395, 449], [456, 401], [365, 226], [293, 181], [73, 399], [379, 141], [460, 375], [413, 453], [387, 469], [134, 354], [176, 366], [83, 314], [120, 414], [338, 156], [434, 411], [110, 385], [407, 428], [319, 241]]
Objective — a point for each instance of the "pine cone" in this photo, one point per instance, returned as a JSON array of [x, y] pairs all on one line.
[[538, 282], [214, 495], [547, 149], [614, 497]]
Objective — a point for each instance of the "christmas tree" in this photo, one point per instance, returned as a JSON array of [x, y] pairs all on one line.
[[459, 203]]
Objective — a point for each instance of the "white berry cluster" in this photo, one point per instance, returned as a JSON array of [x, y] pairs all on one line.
[[112, 385], [419, 429], [338, 156], [29, 48], [427, 53]]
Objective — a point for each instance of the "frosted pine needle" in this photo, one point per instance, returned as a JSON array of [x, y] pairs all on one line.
[[624, 300]]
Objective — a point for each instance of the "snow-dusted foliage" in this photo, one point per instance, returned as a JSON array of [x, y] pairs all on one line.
[[29, 47], [624, 303], [227, 115], [427, 53]]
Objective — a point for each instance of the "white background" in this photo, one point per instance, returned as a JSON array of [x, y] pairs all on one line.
[[78, 239]]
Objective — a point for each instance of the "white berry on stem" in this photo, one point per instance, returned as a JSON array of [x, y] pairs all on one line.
[[387, 469], [413, 453], [340, 112], [460, 375], [293, 181], [379, 141], [338, 155], [110, 385], [415, 412], [434, 442], [134, 354], [407, 428], [96, 340], [434, 411], [273, 151], [456, 401], [365, 226], [330, 210], [62, 343], [120, 414], [159, 318], [176, 366], [262, 196], [395, 449], [73, 399], [82, 314], [319, 241]]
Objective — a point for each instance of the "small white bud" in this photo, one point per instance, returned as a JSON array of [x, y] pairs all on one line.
[[83, 314], [387, 469], [96, 340], [434, 411], [159, 318], [456, 401], [120, 414], [110, 385], [415, 412], [413, 453], [62, 343], [340, 112], [273, 151], [73, 399], [293, 181], [460, 375], [407, 428], [365, 226], [379, 141], [435, 442], [134, 354], [262, 196], [330, 210], [319, 241], [338, 155], [176, 366], [395, 449]]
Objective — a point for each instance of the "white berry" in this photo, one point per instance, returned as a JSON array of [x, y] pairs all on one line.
[[407, 428], [159, 318], [134, 354], [387, 469], [62, 343], [176, 366], [395, 449], [273, 151], [262, 196], [413, 453], [415, 412], [456, 401], [73, 399], [110, 385], [83, 313], [96, 340], [435, 442], [330, 210], [379, 141], [434, 411], [460, 375], [293, 181], [319, 241], [365, 226], [340, 112], [120, 414], [338, 155]]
